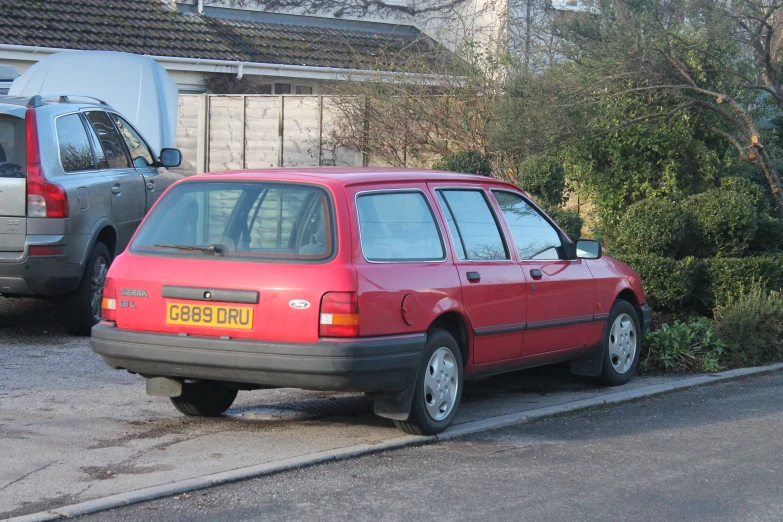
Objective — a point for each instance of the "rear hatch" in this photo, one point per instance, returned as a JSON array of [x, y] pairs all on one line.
[[13, 225], [243, 259]]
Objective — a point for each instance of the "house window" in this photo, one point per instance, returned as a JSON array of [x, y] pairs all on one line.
[[282, 88], [304, 89], [265, 89]]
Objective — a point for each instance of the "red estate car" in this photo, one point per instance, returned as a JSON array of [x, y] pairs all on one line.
[[398, 283]]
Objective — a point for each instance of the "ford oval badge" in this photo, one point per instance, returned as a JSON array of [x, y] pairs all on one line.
[[299, 304]]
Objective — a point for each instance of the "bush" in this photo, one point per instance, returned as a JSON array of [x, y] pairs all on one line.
[[726, 219], [654, 227], [669, 284], [768, 238], [569, 221], [728, 278], [543, 177], [751, 325], [466, 161], [693, 346]]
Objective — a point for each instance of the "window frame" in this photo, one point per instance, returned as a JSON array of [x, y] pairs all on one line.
[[569, 247], [330, 208], [143, 140], [81, 117], [99, 144], [511, 256], [397, 191]]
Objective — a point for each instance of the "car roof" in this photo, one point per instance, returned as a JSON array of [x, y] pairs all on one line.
[[347, 176]]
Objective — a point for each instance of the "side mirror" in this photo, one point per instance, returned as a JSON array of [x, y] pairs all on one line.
[[170, 158], [588, 249]]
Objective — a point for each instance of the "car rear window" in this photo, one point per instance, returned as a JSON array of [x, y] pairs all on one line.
[[398, 226], [241, 220], [12, 147]]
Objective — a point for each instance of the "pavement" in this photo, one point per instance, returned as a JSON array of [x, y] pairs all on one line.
[[710, 453], [76, 430]]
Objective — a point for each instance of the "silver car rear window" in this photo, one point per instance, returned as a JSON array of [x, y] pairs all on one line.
[[12, 147]]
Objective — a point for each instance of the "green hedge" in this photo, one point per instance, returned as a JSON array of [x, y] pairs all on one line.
[[692, 285], [669, 284], [466, 161], [568, 220]]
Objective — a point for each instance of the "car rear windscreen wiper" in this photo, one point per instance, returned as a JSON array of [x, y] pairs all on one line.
[[209, 249]]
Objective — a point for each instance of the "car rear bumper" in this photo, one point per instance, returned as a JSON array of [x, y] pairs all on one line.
[[647, 313], [385, 364], [39, 275]]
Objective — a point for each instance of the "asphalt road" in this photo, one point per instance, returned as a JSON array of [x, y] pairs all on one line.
[[710, 453]]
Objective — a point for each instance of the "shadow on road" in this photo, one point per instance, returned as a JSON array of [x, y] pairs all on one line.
[[19, 317]]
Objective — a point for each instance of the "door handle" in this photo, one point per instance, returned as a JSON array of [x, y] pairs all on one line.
[[536, 273], [473, 276], [116, 189]]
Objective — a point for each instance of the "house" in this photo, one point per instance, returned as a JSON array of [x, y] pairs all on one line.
[[285, 53]]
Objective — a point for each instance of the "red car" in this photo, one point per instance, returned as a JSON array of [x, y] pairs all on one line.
[[399, 283]]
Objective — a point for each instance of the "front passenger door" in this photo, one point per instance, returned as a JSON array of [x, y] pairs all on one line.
[[143, 160], [560, 297], [125, 184]]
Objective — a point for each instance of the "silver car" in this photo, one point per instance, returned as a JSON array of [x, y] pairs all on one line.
[[75, 181]]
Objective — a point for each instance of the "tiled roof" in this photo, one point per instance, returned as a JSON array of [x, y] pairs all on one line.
[[151, 27]]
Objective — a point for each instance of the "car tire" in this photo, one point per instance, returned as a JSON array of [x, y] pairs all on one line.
[[204, 399], [439, 384], [85, 302], [622, 344]]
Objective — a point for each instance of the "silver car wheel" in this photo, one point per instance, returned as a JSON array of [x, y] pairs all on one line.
[[622, 343], [440, 384]]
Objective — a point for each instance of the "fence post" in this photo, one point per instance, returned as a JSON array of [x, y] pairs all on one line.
[[202, 135], [366, 136], [244, 124], [320, 130], [280, 130]]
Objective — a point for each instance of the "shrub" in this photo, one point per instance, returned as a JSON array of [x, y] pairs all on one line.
[[768, 238], [726, 219], [654, 227], [569, 221], [466, 161], [680, 346], [543, 177], [751, 325], [669, 284], [727, 278]]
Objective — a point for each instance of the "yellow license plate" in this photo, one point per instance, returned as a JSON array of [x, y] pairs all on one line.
[[214, 316]]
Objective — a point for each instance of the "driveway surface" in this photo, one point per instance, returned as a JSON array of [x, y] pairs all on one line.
[[711, 453], [72, 429]]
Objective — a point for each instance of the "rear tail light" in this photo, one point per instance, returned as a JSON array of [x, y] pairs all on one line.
[[44, 199], [339, 315], [109, 301], [46, 250]]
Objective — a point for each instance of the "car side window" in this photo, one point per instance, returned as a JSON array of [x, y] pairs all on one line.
[[398, 226], [75, 150], [141, 156], [474, 223], [534, 236], [109, 140]]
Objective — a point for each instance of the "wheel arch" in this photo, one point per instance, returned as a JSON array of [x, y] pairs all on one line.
[[629, 296], [105, 232], [454, 323]]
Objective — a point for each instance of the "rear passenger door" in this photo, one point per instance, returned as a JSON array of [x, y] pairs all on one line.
[[560, 296], [126, 185], [493, 287]]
